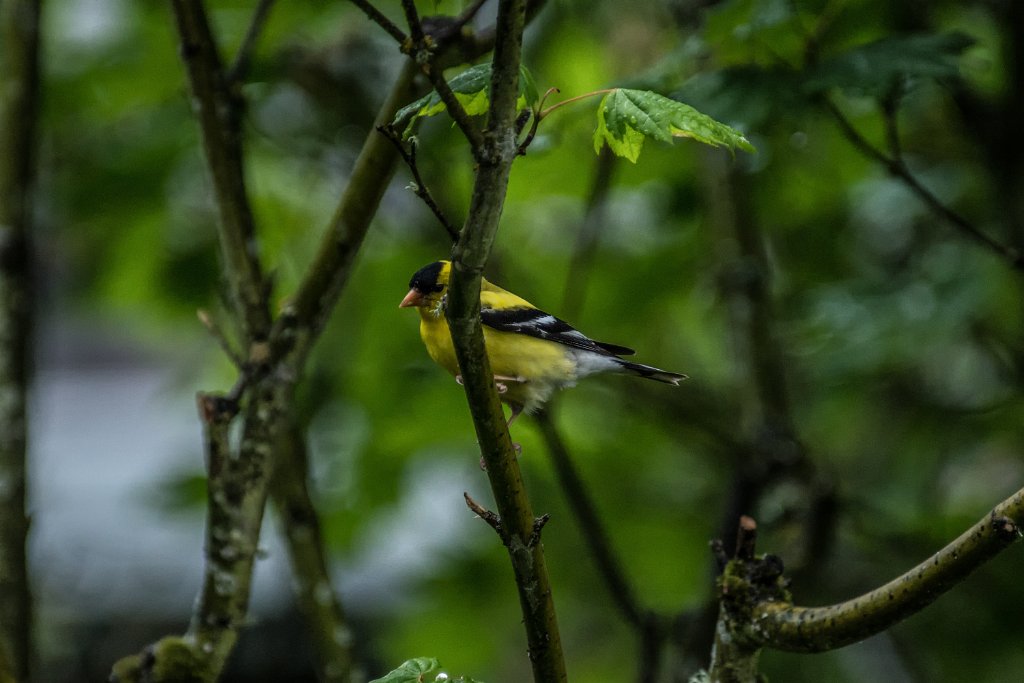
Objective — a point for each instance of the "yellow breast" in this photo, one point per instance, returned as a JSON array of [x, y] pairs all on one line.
[[543, 365]]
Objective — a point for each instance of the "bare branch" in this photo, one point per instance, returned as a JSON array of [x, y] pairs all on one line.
[[746, 538], [377, 16], [896, 167], [218, 109], [19, 108], [412, 18], [240, 69], [222, 340], [421, 48], [408, 154], [318, 602], [585, 512], [493, 520], [815, 629]]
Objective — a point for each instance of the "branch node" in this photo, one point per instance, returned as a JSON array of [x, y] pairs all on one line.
[[419, 187], [1006, 529], [538, 526]]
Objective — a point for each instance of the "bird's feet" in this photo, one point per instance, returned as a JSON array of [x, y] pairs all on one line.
[[500, 381]]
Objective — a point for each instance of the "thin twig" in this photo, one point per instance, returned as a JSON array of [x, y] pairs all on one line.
[[492, 519], [412, 18], [468, 13], [378, 17], [746, 538], [536, 121], [455, 109], [408, 154], [222, 340], [898, 169], [240, 69]]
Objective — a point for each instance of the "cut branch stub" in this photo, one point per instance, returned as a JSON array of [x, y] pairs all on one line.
[[492, 519]]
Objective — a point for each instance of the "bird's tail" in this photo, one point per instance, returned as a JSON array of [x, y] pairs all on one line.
[[651, 372]]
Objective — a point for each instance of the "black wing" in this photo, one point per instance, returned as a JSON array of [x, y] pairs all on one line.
[[536, 323]]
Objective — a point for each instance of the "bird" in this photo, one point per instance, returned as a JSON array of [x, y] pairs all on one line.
[[532, 353]]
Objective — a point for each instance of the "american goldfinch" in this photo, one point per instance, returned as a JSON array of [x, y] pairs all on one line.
[[532, 353]]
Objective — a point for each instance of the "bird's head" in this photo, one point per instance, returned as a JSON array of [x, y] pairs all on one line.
[[428, 286]]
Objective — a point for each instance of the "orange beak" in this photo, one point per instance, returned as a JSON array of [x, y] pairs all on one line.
[[413, 298]]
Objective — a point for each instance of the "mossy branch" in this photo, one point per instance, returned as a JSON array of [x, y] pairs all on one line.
[[816, 629], [757, 610]]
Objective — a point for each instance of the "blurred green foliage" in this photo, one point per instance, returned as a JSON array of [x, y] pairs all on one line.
[[903, 342]]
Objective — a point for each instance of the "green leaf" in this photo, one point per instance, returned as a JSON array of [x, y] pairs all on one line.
[[471, 88], [875, 68], [419, 670], [412, 671], [625, 118]]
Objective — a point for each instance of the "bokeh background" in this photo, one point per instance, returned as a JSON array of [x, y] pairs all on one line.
[[900, 339]]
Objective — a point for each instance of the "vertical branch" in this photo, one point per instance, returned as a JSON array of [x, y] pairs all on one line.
[[651, 628], [330, 632], [520, 531], [587, 238], [218, 107], [590, 525], [19, 74], [221, 606], [772, 446], [240, 67]]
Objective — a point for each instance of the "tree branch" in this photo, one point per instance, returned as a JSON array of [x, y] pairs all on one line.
[[784, 626], [19, 74], [585, 512], [305, 315], [651, 628], [218, 107], [421, 48], [419, 185], [896, 167], [328, 628], [495, 156], [376, 16], [585, 247], [240, 68]]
